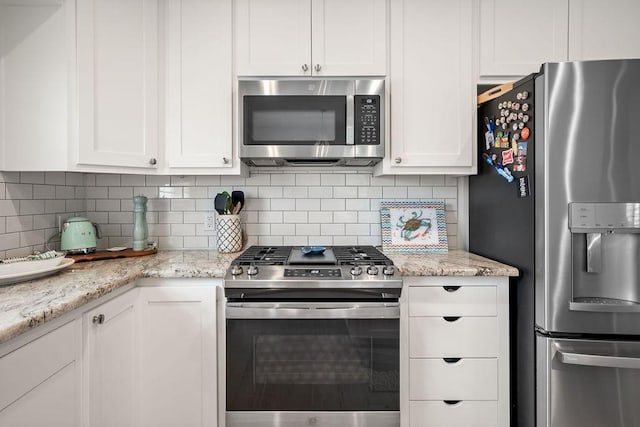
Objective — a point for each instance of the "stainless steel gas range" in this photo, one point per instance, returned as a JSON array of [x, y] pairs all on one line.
[[312, 339]]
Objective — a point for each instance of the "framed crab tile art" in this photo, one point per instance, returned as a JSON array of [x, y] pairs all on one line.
[[413, 226]]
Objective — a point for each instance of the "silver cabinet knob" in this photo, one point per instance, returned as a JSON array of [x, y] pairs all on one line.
[[225, 160], [152, 161], [318, 67], [305, 67], [98, 318], [398, 160]]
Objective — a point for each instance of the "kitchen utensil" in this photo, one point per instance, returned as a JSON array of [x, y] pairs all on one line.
[[79, 235], [237, 208], [227, 207], [220, 203], [237, 197], [312, 250]]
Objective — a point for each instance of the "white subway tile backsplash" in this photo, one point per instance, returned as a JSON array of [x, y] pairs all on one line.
[[271, 217], [345, 192], [295, 217], [32, 177], [332, 204], [55, 178], [394, 192], [108, 180], [335, 179], [36, 207], [19, 191], [132, 180], [320, 217], [320, 192], [287, 206], [445, 192]]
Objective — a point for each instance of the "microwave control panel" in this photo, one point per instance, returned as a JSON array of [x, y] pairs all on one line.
[[367, 119]]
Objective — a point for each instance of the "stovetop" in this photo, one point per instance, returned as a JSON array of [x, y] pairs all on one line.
[[290, 255]]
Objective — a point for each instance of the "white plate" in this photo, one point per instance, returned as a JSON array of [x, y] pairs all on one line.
[[116, 249], [34, 273]]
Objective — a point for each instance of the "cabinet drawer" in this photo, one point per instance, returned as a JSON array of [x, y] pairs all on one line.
[[453, 337], [453, 301], [466, 379], [461, 414], [31, 364]]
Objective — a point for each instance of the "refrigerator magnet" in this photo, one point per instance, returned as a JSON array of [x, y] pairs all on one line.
[[520, 163], [524, 133], [523, 187], [507, 157]]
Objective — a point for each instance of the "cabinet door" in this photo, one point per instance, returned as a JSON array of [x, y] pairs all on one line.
[[110, 362], [35, 84], [273, 37], [604, 30], [349, 37], [177, 356], [41, 381], [117, 82], [516, 37], [199, 84], [433, 84]]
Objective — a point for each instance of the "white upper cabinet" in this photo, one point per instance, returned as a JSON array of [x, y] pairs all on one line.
[[118, 82], [273, 37], [35, 83], [604, 29], [432, 85], [349, 38], [311, 37], [199, 86], [517, 36]]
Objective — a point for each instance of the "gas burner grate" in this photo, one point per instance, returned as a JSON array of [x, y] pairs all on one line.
[[264, 255], [360, 255]]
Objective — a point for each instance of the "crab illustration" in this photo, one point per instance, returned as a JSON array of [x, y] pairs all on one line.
[[411, 228]]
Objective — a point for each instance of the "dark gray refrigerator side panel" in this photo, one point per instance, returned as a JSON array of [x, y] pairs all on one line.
[[588, 115], [501, 228]]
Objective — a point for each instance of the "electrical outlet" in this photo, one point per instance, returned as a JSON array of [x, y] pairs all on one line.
[[210, 221]]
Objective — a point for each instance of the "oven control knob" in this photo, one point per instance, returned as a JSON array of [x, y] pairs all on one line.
[[252, 270], [236, 270], [372, 270], [356, 270], [388, 270]]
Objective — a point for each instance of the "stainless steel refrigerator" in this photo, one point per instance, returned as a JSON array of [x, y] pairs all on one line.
[[569, 219]]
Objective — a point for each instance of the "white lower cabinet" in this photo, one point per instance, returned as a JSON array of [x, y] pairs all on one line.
[[177, 370], [41, 381], [109, 360], [453, 414], [455, 352]]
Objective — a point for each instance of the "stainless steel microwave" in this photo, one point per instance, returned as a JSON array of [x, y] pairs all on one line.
[[311, 122]]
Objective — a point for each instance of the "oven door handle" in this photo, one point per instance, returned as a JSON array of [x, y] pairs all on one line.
[[598, 360], [242, 310]]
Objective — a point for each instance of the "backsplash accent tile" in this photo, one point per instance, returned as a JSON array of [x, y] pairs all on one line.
[[29, 205], [283, 207]]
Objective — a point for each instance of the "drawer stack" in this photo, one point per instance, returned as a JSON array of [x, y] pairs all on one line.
[[455, 361]]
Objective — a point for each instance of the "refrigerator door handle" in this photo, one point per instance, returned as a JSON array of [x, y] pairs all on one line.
[[598, 360]]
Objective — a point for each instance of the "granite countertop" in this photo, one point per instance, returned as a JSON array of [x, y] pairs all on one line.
[[26, 305]]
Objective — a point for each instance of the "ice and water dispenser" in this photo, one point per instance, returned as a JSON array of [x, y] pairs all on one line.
[[605, 240]]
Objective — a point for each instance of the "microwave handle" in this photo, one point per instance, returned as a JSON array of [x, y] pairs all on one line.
[[350, 120]]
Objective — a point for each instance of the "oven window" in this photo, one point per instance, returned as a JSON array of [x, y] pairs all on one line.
[[321, 365], [282, 120]]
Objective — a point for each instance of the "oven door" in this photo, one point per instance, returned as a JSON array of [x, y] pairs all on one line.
[[338, 361]]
